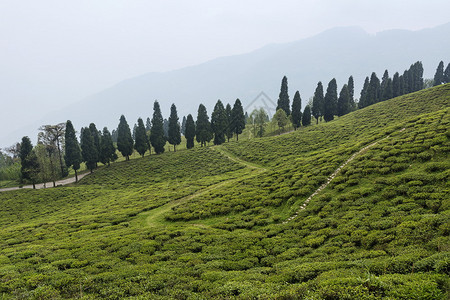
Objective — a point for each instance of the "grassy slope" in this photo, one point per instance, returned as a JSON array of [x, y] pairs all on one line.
[[380, 229]]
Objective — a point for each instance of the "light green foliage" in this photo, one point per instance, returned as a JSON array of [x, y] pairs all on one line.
[[207, 223]]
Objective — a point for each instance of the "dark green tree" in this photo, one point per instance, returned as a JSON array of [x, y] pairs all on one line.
[[447, 74], [157, 137], [229, 130], [238, 118], [296, 110], [96, 135], [141, 142], [317, 103], [306, 117], [351, 89], [219, 123], [343, 102], [374, 90], [396, 89], [363, 102], [72, 155], [124, 140], [29, 161], [383, 86], [388, 90], [417, 76], [174, 128], [283, 98], [190, 132], [203, 130], [439, 75], [166, 128], [330, 101], [107, 149], [88, 150]]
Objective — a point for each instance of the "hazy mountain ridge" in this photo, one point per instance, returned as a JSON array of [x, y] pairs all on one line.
[[338, 53]]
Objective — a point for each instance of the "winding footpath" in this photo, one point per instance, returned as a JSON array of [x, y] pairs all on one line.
[[332, 176], [47, 184]]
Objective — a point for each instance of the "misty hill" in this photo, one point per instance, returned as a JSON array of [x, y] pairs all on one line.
[[237, 221], [338, 53]]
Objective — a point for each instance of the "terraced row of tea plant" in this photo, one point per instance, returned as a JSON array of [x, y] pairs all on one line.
[[379, 230]]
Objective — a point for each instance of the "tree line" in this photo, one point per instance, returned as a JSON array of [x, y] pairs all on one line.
[[58, 148]]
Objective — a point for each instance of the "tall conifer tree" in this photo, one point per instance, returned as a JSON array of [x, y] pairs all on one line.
[[124, 140], [351, 89], [107, 149], [283, 99], [317, 104], [330, 101], [29, 162], [157, 137], [72, 155], [306, 117], [374, 90], [219, 123], [203, 130], [141, 143], [174, 128], [190, 132], [237, 118], [183, 126], [396, 89], [296, 110], [363, 102], [88, 150], [343, 102], [229, 130], [96, 136]]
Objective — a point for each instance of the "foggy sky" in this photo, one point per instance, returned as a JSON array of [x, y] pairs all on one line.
[[57, 52]]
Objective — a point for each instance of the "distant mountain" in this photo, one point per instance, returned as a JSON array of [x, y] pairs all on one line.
[[339, 53]]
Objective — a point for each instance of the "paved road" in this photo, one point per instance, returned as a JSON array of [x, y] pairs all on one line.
[[46, 185]]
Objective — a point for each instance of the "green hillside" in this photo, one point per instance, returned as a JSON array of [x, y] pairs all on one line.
[[238, 220]]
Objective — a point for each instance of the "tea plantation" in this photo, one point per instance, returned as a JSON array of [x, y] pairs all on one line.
[[231, 221]]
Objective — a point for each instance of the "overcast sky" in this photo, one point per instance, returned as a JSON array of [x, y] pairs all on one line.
[[55, 52]]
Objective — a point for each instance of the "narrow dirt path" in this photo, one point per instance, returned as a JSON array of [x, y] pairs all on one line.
[[47, 184], [155, 216], [333, 175]]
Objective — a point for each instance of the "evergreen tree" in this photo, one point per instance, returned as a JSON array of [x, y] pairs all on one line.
[[72, 155], [96, 135], [330, 101], [203, 131], [190, 132], [157, 137], [447, 74], [418, 76], [363, 102], [306, 117], [396, 89], [183, 126], [283, 99], [174, 128], [384, 83], [29, 162], [107, 149], [124, 139], [140, 140], [343, 102], [229, 130], [351, 89], [405, 83], [133, 135], [114, 135], [219, 123], [317, 103], [388, 90], [439, 75], [238, 118], [296, 110], [374, 90], [88, 150]]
